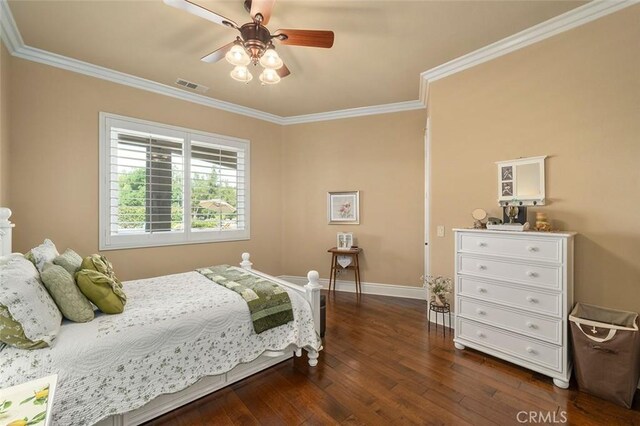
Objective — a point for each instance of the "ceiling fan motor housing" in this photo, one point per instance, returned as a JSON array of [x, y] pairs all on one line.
[[255, 38]]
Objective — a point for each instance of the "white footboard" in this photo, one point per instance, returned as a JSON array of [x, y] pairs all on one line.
[[311, 292], [165, 403]]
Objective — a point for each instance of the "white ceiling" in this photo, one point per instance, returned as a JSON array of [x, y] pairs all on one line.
[[380, 47]]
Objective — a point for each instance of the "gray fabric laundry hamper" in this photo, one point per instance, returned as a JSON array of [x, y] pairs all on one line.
[[606, 352]]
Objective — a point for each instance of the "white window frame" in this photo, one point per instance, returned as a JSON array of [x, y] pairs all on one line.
[[115, 242]]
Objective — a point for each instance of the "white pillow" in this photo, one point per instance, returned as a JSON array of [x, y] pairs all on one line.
[[44, 253], [27, 300]]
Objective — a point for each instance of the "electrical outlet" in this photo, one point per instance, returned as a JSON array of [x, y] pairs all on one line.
[[440, 231]]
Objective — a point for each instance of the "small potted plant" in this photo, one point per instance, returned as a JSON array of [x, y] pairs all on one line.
[[439, 289]]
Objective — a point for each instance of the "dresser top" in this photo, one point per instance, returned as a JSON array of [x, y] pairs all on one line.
[[565, 234]]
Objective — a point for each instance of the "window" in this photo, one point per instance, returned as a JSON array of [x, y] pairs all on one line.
[[163, 185]]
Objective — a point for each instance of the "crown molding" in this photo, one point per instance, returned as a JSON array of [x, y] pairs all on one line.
[[579, 16], [8, 28], [354, 112], [573, 18]]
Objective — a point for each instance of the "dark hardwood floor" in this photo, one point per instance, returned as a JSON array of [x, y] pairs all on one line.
[[381, 366]]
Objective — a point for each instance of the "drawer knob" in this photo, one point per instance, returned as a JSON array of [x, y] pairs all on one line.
[[482, 290], [532, 299], [482, 267], [481, 312], [532, 249], [482, 244], [531, 350], [479, 333], [532, 274], [531, 325]]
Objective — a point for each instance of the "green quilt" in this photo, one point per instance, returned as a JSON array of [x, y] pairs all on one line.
[[269, 304]]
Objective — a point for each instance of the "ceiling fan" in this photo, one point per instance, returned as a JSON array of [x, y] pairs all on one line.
[[255, 45]]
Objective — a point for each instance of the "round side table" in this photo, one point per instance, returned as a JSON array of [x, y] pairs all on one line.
[[438, 309]]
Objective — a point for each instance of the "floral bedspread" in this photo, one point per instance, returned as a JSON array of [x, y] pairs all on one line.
[[175, 330]]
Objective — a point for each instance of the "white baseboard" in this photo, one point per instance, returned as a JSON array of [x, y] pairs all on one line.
[[404, 291]]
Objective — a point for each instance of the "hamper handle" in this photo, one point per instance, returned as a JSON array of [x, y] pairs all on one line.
[[600, 348], [612, 332]]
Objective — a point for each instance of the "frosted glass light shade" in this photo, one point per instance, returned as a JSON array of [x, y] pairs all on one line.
[[241, 73], [237, 56], [271, 59], [269, 76]]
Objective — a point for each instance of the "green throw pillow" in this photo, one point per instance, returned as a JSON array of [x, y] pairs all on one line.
[[102, 290], [62, 287], [99, 263], [12, 333], [69, 260]]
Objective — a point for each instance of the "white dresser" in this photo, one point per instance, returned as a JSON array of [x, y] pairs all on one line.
[[514, 292]]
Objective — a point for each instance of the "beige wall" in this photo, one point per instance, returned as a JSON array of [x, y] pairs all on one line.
[[576, 98], [54, 169], [381, 156], [5, 83]]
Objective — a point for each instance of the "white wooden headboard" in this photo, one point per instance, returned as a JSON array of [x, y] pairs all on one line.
[[6, 227]]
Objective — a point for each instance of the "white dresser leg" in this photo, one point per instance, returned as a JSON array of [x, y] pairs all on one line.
[[298, 352], [561, 383], [458, 346], [313, 358]]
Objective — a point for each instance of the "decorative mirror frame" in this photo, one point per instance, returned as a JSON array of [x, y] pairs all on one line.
[[507, 184]]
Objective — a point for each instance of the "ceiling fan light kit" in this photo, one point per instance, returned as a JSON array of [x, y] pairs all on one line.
[[271, 60], [241, 73], [269, 76], [237, 56], [255, 44]]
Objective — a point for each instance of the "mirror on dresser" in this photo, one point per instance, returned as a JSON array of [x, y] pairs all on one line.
[[521, 182]]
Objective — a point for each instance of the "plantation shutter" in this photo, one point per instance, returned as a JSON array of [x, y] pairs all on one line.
[[218, 187], [146, 183], [164, 185]]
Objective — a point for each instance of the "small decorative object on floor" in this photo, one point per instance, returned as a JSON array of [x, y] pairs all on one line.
[[444, 309], [542, 223], [439, 289]]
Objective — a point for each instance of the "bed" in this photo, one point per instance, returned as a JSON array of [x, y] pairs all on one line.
[[180, 337]]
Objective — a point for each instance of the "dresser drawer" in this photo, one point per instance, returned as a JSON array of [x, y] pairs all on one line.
[[525, 298], [548, 329], [512, 344], [527, 248], [511, 271]]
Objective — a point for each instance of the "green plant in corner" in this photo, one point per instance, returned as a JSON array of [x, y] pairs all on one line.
[[439, 288]]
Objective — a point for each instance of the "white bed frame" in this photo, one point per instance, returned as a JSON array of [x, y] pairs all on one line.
[[165, 403]]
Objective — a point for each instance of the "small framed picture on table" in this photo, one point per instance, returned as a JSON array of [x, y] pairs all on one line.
[[343, 208], [345, 241]]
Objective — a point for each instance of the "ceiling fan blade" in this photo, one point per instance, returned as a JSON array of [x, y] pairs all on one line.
[[283, 71], [216, 55], [202, 12], [309, 38], [264, 8]]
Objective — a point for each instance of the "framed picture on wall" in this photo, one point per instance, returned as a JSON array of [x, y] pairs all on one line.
[[343, 208]]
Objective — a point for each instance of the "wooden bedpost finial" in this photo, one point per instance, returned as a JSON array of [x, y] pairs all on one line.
[[313, 278], [5, 214], [246, 263]]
